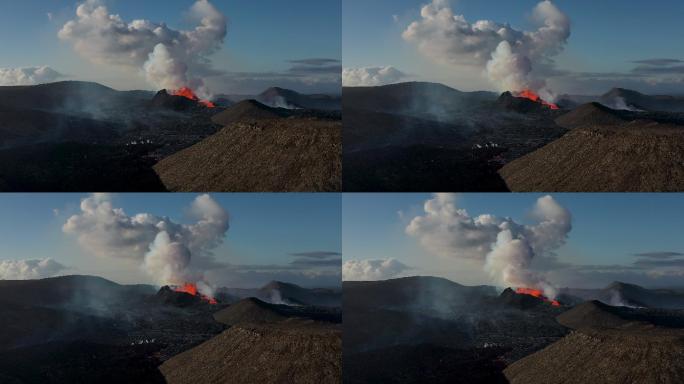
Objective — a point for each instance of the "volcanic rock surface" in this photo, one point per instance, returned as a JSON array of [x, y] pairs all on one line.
[[245, 111], [609, 345], [404, 319], [289, 352], [426, 137], [639, 156], [294, 155]]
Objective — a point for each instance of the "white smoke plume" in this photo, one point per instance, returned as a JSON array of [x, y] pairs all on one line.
[[28, 76], [162, 248], [511, 59], [29, 269], [371, 76], [170, 58], [370, 270], [505, 248]]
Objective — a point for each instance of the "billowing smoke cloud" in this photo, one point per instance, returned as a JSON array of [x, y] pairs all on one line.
[[27, 76], [505, 248], [369, 270], [512, 60], [163, 248], [170, 59], [371, 76], [29, 269]]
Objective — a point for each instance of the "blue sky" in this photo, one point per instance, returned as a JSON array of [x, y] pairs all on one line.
[[265, 229], [607, 229], [263, 36], [606, 36]]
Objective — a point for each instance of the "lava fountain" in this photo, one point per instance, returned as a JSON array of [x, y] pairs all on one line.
[[189, 94], [531, 95], [538, 294], [191, 289]]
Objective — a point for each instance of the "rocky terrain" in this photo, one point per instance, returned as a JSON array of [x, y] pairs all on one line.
[[433, 330], [297, 154], [78, 136], [428, 137], [75, 328], [609, 345], [423, 137]]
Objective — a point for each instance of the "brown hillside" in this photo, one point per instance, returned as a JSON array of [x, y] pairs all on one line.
[[288, 353], [590, 114], [296, 155], [247, 110], [249, 310], [646, 356], [640, 156]]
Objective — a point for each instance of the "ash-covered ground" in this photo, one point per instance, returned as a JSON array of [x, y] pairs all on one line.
[[76, 136], [88, 329], [432, 330], [424, 137]]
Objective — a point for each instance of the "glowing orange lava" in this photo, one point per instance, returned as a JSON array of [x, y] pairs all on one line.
[[189, 94], [529, 94], [191, 289], [538, 294]]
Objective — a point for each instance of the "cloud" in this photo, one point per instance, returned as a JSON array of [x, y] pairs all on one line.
[[511, 59], [659, 255], [505, 248], [28, 76], [370, 270], [658, 62], [299, 78], [317, 263], [316, 254], [251, 276], [316, 62], [29, 269], [162, 248], [371, 76], [170, 58]]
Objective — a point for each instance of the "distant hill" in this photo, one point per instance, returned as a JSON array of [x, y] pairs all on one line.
[[415, 293], [298, 154], [430, 101], [69, 96], [247, 110], [623, 294], [284, 98], [285, 353], [255, 311], [89, 291], [591, 114], [277, 292], [621, 98], [640, 156]]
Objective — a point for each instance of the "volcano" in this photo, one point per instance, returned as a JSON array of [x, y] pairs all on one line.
[[538, 294], [189, 94], [191, 289], [531, 95]]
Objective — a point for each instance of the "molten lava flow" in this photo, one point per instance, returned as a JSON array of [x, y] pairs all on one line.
[[529, 94], [189, 94], [191, 289], [538, 294]]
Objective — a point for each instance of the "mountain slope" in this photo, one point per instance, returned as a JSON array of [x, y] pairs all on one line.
[[245, 111], [292, 155], [286, 353], [639, 156], [590, 114], [633, 100], [606, 356], [285, 98]]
